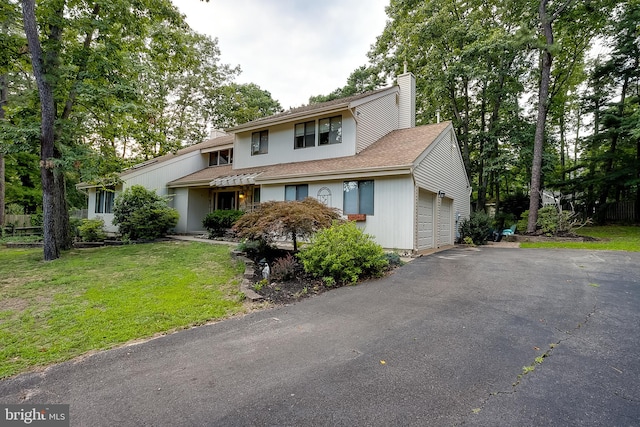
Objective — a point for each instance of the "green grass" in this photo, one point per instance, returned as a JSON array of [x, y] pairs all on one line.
[[612, 237], [93, 299]]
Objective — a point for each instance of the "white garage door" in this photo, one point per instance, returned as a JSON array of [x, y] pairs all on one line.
[[445, 229], [425, 219]]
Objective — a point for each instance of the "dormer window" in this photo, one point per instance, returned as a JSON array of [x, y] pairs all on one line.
[[330, 130], [220, 158]]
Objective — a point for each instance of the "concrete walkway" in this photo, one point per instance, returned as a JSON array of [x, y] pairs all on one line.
[[474, 336]]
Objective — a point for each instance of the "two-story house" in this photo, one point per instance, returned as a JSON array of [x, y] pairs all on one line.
[[403, 184]]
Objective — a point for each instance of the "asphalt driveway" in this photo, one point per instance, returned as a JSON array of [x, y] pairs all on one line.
[[443, 341]]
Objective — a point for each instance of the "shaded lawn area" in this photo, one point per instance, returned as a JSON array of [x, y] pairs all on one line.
[[99, 298], [612, 237]]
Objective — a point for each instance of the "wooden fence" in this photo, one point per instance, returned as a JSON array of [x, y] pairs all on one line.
[[18, 220], [621, 211]]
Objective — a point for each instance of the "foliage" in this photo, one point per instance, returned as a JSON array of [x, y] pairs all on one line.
[[93, 299], [288, 219], [284, 268], [329, 281], [92, 230], [240, 103], [36, 219], [261, 284], [363, 79], [552, 221], [141, 214], [515, 204], [393, 258], [344, 253], [219, 220], [476, 227], [523, 221]]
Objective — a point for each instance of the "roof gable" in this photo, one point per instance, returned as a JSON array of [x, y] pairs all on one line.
[[204, 146]]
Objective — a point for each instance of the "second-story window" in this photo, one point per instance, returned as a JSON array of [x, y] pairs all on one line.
[[330, 130], [260, 142], [305, 135]]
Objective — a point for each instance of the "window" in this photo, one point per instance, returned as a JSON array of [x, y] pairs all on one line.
[[296, 192], [330, 130], [305, 135], [104, 200], [260, 142], [222, 157], [358, 197]]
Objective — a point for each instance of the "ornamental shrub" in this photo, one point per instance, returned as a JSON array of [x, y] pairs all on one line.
[[551, 221], [284, 268], [477, 227], [218, 221], [141, 214], [344, 253], [92, 230]]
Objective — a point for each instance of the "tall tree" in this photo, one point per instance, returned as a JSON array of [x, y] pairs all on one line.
[[41, 66]]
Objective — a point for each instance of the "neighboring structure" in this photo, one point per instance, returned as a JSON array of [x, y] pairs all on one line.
[[405, 185]]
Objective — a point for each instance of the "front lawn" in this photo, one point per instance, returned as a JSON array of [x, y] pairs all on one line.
[[611, 237], [99, 298]]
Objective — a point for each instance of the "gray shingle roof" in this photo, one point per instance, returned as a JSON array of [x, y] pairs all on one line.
[[397, 149]]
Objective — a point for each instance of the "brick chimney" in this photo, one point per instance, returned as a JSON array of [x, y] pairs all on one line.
[[407, 100]]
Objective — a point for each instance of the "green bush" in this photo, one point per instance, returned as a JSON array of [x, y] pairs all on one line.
[[218, 221], [92, 230], [141, 214], [343, 252], [551, 221], [477, 227], [523, 222], [37, 219]]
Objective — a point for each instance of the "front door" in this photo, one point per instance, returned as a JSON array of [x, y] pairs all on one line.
[[226, 200]]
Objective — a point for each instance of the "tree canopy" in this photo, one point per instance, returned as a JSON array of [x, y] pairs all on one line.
[[94, 86], [532, 109]]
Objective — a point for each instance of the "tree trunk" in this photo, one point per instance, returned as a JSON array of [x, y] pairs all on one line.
[[47, 135], [543, 107], [3, 102]]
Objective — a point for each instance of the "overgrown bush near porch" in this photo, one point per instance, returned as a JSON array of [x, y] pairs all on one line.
[[218, 221], [92, 230], [142, 214]]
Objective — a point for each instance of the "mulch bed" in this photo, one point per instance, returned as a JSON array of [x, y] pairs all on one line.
[[566, 237]]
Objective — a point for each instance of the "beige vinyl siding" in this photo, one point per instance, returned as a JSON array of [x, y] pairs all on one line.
[[332, 189], [180, 202], [392, 221], [376, 119], [281, 145], [407, 101], [198, 209], [106, 217], [156, 177], [442, 170]]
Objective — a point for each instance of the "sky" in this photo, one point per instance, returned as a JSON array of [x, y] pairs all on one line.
[[292, 48]]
